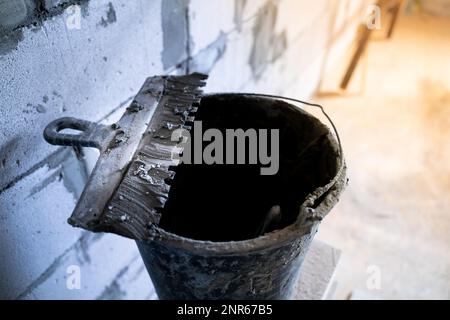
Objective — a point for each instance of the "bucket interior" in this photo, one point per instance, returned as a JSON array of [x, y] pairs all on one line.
[[230, 202]]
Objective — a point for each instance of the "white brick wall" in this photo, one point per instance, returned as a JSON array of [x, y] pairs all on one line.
[[89, 73]]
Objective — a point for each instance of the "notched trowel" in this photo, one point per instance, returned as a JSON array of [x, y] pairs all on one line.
[[128, 186]]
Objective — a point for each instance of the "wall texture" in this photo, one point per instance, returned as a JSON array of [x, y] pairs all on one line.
[[87, 59]]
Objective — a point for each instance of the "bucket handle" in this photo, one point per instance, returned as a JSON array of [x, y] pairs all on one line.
[[305, 103]]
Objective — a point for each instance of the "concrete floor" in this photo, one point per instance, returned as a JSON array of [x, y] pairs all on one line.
[[395, 214]]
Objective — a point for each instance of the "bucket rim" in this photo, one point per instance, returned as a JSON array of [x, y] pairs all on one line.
[[309, 216]]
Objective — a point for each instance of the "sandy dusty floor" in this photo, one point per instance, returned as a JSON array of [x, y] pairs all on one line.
[[395, 214]]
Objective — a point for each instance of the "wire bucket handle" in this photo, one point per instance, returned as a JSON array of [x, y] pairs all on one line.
[[305, 103]]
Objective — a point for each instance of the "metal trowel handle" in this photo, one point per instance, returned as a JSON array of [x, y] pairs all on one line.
[[90, 134]]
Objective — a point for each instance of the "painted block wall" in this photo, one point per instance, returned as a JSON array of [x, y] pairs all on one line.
[[87, 59]]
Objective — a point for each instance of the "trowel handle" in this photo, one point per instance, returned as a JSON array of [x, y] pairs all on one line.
[[91, 134]]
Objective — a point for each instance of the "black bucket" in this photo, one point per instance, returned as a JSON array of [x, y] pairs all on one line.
[[208, 243]]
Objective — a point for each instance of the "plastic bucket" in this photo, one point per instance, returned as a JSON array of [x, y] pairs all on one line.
[[207, 244]]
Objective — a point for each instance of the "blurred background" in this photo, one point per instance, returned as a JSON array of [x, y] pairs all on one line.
[[380, 69], [394, 120]]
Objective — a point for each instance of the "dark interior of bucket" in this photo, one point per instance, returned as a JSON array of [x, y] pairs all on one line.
[[231, 202]]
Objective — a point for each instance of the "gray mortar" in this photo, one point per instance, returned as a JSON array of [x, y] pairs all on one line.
[[175, 29], [110, 18], [268, 46], [207, 58], [18, 14], [239, 6]]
